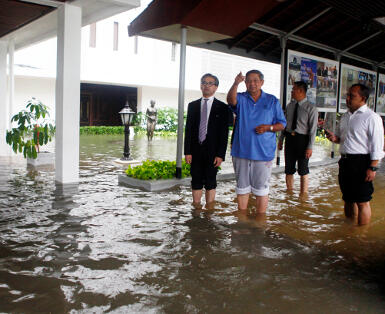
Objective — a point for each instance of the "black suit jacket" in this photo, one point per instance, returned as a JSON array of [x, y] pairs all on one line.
[[217, 129]]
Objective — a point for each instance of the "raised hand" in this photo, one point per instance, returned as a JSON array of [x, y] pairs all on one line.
[[239, 78]]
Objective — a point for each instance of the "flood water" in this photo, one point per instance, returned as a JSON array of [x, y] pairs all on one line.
[[101, 247]]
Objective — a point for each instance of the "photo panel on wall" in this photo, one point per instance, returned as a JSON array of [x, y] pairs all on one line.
[[352, 75], [321, 76]]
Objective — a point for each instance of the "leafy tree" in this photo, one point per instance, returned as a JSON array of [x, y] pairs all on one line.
[[33, 129]]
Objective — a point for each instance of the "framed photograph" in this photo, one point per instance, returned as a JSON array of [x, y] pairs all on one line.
[[352, 75], [321, 76], [380, 107]]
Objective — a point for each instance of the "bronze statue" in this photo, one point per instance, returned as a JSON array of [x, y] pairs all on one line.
[[151, 115]]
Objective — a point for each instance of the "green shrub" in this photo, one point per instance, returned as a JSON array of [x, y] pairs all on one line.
[[139, 119], [167, 119], [155, 170], [141, 131], [167, 124], [98, 130]]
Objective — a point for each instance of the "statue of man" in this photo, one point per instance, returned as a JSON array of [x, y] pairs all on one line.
[[151, 115]]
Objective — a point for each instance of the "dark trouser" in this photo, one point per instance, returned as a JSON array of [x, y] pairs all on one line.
[[203, 172], [351, 177], [295, 147]]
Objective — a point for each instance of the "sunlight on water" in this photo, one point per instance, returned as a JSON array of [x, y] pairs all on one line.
[[100, 247]]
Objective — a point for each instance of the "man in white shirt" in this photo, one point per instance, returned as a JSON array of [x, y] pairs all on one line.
[[361, 138]]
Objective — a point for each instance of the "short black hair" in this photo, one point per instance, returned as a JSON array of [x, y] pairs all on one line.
[[212, 76], [363, 90], [301, 85], [259, 73]]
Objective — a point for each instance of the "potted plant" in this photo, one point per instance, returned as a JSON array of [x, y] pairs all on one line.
[[33, 131]]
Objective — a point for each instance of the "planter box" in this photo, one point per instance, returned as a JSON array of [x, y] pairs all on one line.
[[43, 159], [152, 185], [160, 185]]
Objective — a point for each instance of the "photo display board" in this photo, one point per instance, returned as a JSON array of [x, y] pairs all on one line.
[[380, 108], [321, 76], [352, 75]]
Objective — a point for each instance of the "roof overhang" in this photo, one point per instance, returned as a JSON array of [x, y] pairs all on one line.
[[46, 26], [205, 20], [350, 31]]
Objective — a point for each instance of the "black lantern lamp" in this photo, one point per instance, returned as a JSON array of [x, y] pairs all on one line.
[[126, 114]]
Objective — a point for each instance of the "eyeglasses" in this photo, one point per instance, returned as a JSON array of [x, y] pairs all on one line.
[[204, 83]]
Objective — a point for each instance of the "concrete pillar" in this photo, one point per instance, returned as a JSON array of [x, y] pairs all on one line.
[[283, 41], [11, 78], [5, 150], [68, 94], [182, 74]]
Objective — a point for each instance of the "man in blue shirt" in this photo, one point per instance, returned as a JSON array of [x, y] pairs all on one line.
[[259, 117]]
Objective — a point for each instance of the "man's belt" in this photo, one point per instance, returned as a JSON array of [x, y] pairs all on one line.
[[355, 156]]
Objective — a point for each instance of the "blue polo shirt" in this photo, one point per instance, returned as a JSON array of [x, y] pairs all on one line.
[[247, 143]]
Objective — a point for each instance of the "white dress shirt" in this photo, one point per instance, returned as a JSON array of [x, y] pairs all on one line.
[[209, 104], [361, 132]]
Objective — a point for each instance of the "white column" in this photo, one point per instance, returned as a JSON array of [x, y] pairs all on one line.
[[11, 78], [182, 72], [283, 41], [5, 150], [68, 94]]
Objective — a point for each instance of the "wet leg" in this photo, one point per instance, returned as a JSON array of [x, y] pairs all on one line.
[[304, 184], [210, 197], [290, 182], [351, 210], [197, 196], [261, 204], [364, 213], [243, 200]]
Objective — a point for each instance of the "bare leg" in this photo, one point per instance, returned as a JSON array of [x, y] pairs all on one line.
[[197, 196], [364, 213], [243, 200], [304, 184], [261, 204], [351, 210], [290, 182], [210, 196]]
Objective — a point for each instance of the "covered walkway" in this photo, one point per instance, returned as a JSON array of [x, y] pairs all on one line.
[[349, 32]]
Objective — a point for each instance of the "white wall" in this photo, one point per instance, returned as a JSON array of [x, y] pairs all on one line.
[[40, 88]]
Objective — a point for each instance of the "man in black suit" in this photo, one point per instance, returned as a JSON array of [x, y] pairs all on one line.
[[206, 136]]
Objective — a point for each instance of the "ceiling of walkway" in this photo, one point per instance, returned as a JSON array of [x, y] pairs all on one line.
[[15, 14], [352, 28], [338, 25]]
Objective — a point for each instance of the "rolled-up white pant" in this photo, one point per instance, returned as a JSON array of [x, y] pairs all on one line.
[[253, 176]]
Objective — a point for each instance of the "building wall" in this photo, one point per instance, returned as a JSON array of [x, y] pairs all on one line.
[[40, 88], [152, 66]]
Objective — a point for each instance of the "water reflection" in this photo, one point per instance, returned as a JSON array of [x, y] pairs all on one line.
[[100, 247]]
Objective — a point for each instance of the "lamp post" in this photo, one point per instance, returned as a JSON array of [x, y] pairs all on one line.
[[126, 114]]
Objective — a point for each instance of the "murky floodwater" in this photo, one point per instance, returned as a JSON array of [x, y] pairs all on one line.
[[106, 248]]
